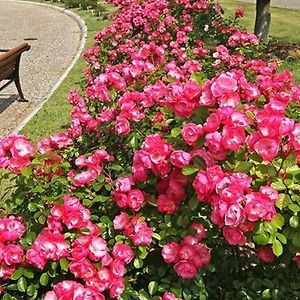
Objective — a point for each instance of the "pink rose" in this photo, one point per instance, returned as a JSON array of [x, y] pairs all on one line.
[[123, 184], [191, 133], [239, 13], [122, 126], [297, 261], [169, 296], [223, 84], [123, 252], [259, 208], [97, 248], [135, 199], [117, 288], [202, 185], [234, 236], [170, 252], [265, 254], [235, 215], [118, 268], [142, 234], [267, 148], [199, 229], [165, 204], [120, 221], [13, 254], [185, 269], [180, 158]]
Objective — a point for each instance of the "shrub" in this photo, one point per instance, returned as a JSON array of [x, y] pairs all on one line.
[[177, 178]]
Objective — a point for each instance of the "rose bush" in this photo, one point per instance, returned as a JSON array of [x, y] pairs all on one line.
[[177, 178]]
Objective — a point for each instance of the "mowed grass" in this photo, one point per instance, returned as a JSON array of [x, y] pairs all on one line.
[[54, 116], [285, 27]]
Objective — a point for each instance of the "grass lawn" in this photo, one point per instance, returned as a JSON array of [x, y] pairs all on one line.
[[54, 116], [285, 28]]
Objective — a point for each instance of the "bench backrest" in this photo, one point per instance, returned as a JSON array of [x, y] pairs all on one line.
[[10, 59]]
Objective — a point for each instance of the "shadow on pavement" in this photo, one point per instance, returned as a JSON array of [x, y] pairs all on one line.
[[5, 101]]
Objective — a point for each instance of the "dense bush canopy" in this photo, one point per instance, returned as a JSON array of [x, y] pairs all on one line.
[[178, 177]]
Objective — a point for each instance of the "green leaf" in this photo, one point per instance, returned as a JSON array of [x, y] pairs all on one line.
[[261, 239], [44, 279], [294, 207], [156, 236], [152, 287], [31, 290], [117, 167], [64, 264], [277, 248], [187, 295], [243, 167], [278, 185], [26, 172], [100, 198], [293, 170], [193, 203], [281, 238], [96, 185], [143, 295], [294, 221], [42, 219], [22, 284], [17, 274], [250, 114], [189, 170], [296, 239], [32, 206], [28, 273], [277, 221], [138, 263], [175, 132]]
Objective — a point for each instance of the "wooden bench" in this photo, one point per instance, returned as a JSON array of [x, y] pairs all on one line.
[[9, 67]]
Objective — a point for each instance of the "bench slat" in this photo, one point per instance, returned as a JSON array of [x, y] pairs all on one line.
[[9, 67], [14, 52]]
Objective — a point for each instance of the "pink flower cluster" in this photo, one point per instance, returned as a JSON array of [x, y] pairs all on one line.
[[169, 296], [54, 142], [134, 228], [171, 191], [48, 246], [125, 196], [152, 156], [236, 207], [93, 165], [189, 256], [11, 255], [242, 38], [69, 289], [15, 153], [86, 250]]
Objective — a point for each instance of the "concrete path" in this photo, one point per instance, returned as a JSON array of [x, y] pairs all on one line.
[[291, 4], [54, 38]]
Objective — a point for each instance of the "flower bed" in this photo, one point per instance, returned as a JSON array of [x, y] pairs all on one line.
[[180, 166]]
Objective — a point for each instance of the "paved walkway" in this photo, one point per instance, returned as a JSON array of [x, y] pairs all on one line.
[[54, 38], [292, 4]]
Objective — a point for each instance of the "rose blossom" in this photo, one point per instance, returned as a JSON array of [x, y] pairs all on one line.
[[185, 269], [265, 254]]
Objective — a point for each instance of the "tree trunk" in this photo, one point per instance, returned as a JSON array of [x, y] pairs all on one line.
[[263, 19]]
